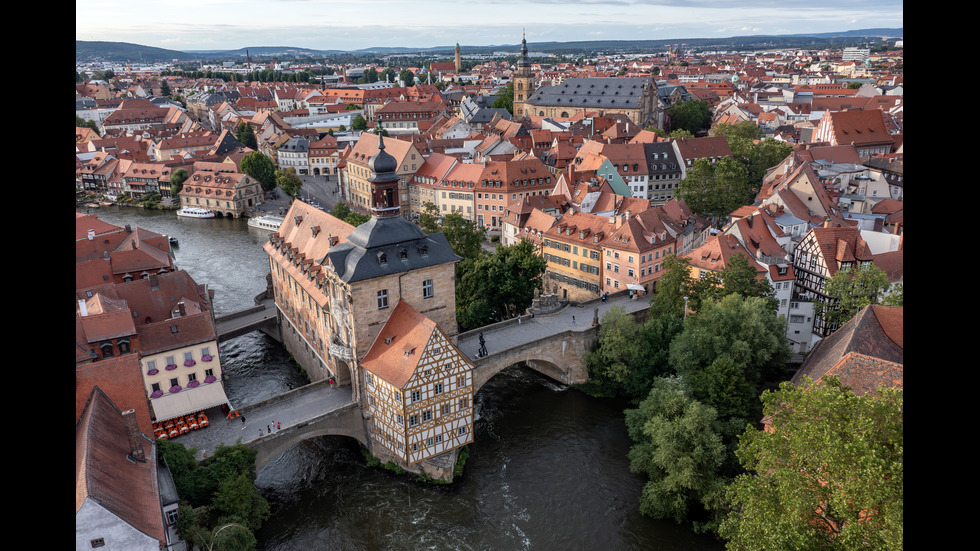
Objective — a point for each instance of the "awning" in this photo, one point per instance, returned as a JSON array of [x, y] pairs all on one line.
[[635, 287], [189, 400]]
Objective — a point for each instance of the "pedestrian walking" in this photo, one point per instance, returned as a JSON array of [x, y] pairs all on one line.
[[278, 426], [518, 319], [267, 428], [260, 433], [573, 320]]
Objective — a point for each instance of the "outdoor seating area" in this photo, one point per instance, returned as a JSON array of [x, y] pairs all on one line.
[[172, 428]]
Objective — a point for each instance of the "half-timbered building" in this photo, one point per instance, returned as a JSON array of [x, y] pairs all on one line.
[[419, 388], [821, 254]]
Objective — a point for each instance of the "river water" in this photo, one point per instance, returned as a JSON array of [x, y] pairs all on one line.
[[547, 471]]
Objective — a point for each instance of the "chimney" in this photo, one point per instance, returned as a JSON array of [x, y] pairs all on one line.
[[91, 235], [181, 308], [134, 435]]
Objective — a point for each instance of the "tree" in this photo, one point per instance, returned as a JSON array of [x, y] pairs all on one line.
[[86, 123], [693, 116], [751, 150], [628, 356], [407, 77], [678, 446], [828, 474], [849, 290], [358, 123], [675, 284], [246, 135], [465, 236], [177, 179], [289, 182], [261, 168], [429, 218], [738, 277], [505, 98], [492, 287], [343, 212], [745, 333], [715, 190]]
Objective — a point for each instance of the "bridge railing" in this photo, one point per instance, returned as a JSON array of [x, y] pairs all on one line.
[[513, 321]]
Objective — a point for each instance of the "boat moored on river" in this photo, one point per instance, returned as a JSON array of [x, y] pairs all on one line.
[[267, 222], [194, 212]]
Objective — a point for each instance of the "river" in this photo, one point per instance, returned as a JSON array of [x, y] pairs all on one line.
[[547, 470]]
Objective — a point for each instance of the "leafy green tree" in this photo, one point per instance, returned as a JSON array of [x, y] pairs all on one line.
[[236, 500], [745, 333], [407, 77], [86, 123], [493, 287], [246, 135], [756, 153], [850, 290], [677, 444], [693, 116], [261, 168], [465, 236], [675, 284], [738, 277], [343, 211], [505, 98], [358, 123], [429, 218], [828, 474], [715, 190], [289, 182], [627, 356], [165, 88], [177, 179]]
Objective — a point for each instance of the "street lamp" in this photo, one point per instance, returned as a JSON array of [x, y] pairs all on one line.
[[685, 308]]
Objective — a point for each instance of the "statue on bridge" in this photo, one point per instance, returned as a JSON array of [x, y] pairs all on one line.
[[483, 347]]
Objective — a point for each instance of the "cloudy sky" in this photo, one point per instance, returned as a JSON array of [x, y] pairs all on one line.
[[354, 24]]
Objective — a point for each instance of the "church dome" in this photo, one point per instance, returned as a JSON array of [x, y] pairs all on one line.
[[382, 162]]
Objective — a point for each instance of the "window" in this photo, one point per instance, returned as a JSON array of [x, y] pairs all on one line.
[[438, 439], [416, 395], [100, 542], [427, 415], [413, 420], [382, 299], [462, 431], [464, 403], [437, 388], [427, 288]]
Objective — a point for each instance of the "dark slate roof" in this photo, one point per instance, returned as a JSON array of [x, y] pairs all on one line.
[[606, 92], [404, 247]]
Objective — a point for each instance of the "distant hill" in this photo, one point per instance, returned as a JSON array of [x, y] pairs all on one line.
[[122, 51]]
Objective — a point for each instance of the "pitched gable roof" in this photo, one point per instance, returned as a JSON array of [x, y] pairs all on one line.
[[865, 352], [396, 351]]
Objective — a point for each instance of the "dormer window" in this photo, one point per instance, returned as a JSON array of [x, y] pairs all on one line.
[[382, 258]]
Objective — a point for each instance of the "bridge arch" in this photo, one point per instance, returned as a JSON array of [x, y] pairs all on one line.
[[560, 357], [344, 422]]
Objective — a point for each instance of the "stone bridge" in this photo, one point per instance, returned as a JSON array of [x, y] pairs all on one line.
[[553, 345]]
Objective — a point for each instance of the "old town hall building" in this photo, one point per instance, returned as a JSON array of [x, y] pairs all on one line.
[[374, 307]]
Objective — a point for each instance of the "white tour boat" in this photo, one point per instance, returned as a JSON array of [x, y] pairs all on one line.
[[267, 222], [194, 212]]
